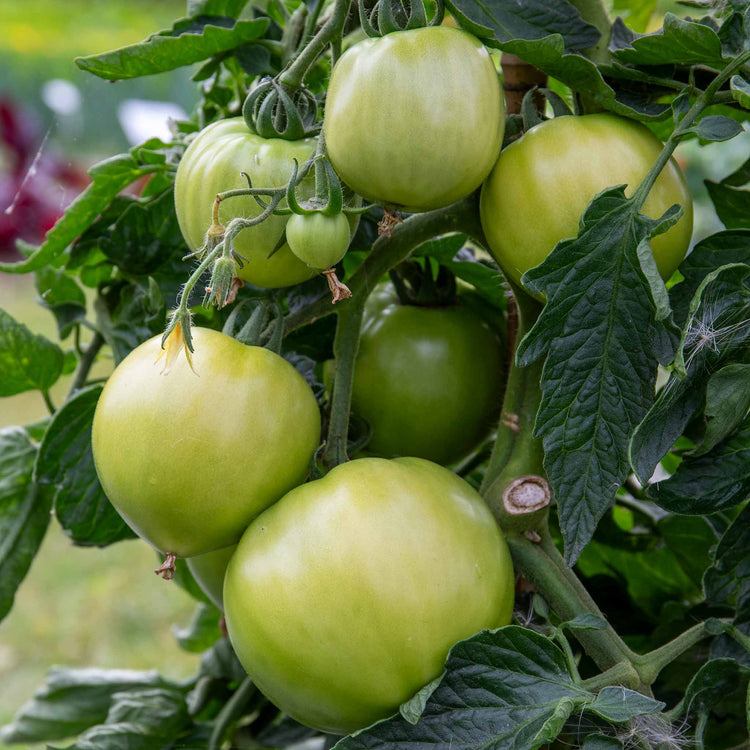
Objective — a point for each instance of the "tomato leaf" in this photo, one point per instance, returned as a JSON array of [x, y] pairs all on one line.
[[727, 401], [231, 8], [715, 481], [190, 40], [66, 462], [505, 20], [24, 512], [712, 683], [72, 700], [601, 742], [619, 704], [500, 689], [27, 361], [740, 91], [678, 42], [731, 203], [602, 341], [148, 718], [715, 333], [62, 296], [717, 128], [202, 632], [108, 177]]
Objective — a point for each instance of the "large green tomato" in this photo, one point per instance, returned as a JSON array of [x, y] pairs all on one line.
[[209, 569], [213, 164], [415, 119], [428, 380], [189, 458], [343, 599], [543, 182]]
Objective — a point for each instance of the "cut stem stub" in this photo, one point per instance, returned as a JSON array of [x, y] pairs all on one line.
[[526, 494]]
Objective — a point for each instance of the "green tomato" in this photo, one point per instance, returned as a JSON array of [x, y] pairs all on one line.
[[415, 119], [543, 182], [319, 241], [189, 458], [428, 380], [213, 164], [208, 570], [343, 598]]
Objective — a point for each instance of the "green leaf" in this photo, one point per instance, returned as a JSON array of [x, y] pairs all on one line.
[[190, 40], [712, 482], [148, 719], [231, 8], [727, 402], [717, 128], [601, 742], [108, 179], [500, 690], [72, 700], [598, 378], [24, 512], [712, 683], [691, 540], [732, 204], [27, 361], [728, 579], [202, 632], [66, 462], [506, 20], [585, 622], [618, 704], [740, 91], [60, 294], [220, 662], [714, 333], [678, 42]]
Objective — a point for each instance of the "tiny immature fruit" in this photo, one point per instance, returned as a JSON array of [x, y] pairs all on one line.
[[318, 240], [344, 598], [191, 456]]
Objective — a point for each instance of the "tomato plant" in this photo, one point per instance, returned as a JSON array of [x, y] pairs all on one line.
[[542, 183], [177, 484], [213, 163], [327, 629], [415, 119], [427, 380], [606, 439]]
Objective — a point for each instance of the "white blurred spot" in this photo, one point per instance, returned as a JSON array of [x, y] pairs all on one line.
[[142, 119], [62, 97]]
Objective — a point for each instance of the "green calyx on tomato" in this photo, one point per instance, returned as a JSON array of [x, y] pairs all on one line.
[[415, 119], [543, 182], [214, 163], [427, 380], [343, 599], [190, 457]]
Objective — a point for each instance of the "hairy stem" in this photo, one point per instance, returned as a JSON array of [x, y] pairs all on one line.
[[86, 363]]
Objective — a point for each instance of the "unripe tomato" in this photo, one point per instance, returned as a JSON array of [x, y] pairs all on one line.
[[428, 380], [416, 118], [189, 458], [543, 182], [319, 241], [343, 598], [212, 164], [208, 570]]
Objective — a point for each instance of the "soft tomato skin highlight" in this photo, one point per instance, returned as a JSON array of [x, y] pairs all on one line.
[[344, 598], [542, 183], [415, 119], [189, 457]]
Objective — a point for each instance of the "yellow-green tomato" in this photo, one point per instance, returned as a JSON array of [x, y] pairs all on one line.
[[343, 599], [212, 164], [189, 458], [318, 240], [543, 182], [415, 119], [428, 380], [208, 570]]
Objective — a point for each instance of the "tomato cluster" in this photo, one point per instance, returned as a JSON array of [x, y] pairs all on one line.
[[344, 594]]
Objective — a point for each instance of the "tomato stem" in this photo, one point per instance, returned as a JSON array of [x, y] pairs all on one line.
[[86, 362], [233, 709]]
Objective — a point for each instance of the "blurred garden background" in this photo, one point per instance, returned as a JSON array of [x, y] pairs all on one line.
[[85, 607]]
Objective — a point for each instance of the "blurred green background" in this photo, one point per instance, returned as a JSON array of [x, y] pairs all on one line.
[[89, 607]]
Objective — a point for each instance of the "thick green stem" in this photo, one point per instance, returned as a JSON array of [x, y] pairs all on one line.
[[545, 568], [232, 711], [387, 252], [295, 73], [622, 673], [345, 348], [87, 361]]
